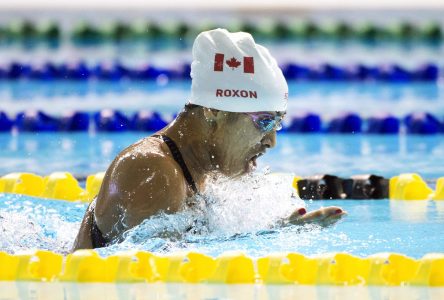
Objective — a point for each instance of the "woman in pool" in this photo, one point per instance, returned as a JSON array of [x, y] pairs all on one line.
[[238, 99]]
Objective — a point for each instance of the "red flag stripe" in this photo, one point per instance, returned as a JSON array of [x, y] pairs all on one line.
[[248, 64], [218, 62]]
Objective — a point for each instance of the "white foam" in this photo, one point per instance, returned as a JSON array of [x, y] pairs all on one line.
[[251, 203], [22, 231]]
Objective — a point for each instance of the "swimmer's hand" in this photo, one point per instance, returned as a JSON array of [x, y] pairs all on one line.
[[324, 216]]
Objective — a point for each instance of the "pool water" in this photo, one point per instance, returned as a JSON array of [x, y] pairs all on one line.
[[248, 218], [246, 214], [167, 97], [240, 215], [304, 154]]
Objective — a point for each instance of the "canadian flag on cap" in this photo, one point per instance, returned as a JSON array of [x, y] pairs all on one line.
[[233, 63]]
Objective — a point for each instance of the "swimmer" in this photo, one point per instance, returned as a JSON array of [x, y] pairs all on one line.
[[237, 103]]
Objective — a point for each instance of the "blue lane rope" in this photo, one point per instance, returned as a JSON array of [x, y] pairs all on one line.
[[428, 72], [115, 121]]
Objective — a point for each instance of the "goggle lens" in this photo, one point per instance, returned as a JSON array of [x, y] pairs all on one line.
[[266, 122]]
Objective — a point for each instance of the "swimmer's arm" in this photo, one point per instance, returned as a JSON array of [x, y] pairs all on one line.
[[324, 216]]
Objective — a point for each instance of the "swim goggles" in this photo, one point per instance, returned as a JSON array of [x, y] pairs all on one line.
[[266, 122]]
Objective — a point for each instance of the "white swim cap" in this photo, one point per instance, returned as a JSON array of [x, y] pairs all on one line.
[[231, 72]]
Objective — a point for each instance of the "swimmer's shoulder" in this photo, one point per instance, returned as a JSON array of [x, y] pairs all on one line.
[[148, 149], [147, 146], [147, 165], [141, 181]]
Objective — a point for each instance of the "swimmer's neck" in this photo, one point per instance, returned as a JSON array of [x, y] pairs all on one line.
[[191, 134]]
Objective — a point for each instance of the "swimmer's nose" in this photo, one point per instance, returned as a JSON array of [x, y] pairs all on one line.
[[269, 140]]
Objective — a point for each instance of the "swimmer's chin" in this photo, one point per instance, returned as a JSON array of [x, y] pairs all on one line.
[[250, 167]]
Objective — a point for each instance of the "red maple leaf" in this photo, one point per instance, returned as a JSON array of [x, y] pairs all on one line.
[[233, 63]]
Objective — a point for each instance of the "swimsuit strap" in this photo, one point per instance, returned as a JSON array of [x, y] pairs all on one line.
[[97, 238], [179, 159]]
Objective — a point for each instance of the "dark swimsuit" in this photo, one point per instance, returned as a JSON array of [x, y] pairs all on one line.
[[98, 241]]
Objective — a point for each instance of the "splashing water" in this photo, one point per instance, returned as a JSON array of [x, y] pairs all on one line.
[[36, 224], [240, 214], [254, 202], [226, 210]]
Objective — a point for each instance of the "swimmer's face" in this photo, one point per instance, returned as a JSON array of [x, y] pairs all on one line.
[[240, 139]]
